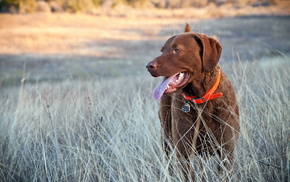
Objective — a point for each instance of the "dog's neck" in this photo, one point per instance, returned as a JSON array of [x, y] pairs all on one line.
[[200, 85]]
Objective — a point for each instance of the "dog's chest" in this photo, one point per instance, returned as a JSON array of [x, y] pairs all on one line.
[[181, 108], [180, 104], [186, 113]]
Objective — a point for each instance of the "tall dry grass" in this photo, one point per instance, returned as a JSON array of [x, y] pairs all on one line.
[[108, 129]]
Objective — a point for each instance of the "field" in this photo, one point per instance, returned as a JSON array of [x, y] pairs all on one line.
[[76, 104]]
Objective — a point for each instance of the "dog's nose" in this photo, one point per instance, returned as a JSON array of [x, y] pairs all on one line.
[[151, 66]]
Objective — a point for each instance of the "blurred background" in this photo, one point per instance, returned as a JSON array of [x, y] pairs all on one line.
[[75, 96], [56, 40]]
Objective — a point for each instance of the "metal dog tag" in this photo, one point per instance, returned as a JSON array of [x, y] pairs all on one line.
[[186, 107]]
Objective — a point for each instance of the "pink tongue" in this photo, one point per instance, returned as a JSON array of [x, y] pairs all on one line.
[[161, 87]]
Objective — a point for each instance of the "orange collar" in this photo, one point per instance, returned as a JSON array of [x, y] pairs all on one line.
[[209, 95]]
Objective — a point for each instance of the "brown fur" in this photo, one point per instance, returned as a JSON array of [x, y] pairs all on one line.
[[187, 28], [219, 128]]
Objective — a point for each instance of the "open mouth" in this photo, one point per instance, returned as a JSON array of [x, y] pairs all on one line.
[[170, 84]]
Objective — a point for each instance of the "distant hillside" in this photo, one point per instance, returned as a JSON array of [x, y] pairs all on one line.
[[28, 6]]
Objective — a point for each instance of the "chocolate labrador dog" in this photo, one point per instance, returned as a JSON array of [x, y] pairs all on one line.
[[198, 109]]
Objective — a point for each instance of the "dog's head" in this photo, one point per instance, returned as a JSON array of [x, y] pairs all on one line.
[[184, 57]]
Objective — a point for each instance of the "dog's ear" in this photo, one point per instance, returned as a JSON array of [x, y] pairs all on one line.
[[187, 28], [210, 53]]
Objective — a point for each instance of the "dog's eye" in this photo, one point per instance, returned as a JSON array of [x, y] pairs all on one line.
[[176, 50]]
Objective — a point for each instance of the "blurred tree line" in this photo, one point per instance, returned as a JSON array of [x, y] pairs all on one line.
[[24, 6]]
